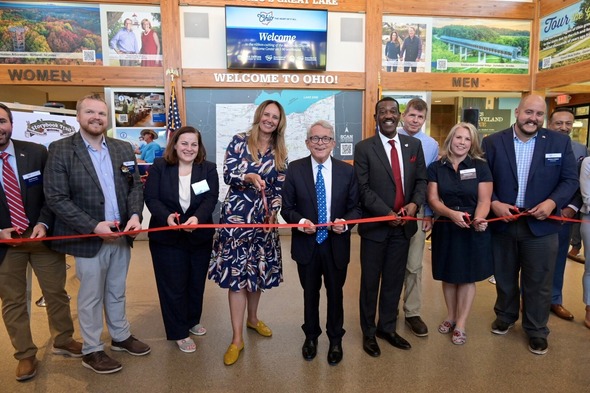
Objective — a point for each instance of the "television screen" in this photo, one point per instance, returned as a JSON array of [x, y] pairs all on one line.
[[275, 38]]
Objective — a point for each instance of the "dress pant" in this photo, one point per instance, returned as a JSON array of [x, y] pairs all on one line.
[[563, 237], [102, 286], [310, 277], [585, 232], [520, 255], [50, 268], [413, 278], [382, 277], [180, 274]]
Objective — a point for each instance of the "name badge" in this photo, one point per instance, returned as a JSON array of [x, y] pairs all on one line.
[[552, 159], [467, 174], [33, 178], [200, 187], [130, 166]]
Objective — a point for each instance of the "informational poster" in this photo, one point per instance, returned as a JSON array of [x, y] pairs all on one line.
[[42, 128], [406, 43], [132, 35], [135, 110], [493, 120], [219, 114], [55, 33], [490, 46], [564, 36]]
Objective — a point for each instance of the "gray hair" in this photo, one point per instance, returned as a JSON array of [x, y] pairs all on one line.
[[322, 123]]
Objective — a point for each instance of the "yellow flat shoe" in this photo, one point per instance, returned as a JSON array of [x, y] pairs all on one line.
[[232, 354], [260, 328]]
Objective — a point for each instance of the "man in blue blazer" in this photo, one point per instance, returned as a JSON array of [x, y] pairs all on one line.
[[318, 255], [92, 185], [562, 120], [27, 160], [385, 244], [535, 173]]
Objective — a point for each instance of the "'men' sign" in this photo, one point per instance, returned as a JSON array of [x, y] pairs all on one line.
[[40, 75], [465, 82]]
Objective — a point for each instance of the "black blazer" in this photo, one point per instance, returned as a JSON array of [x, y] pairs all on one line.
[[161, 198], [377, 186], [300, 201], [30, 157]]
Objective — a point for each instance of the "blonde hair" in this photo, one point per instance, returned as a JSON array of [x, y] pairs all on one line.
[[475, 151], [277, 139]]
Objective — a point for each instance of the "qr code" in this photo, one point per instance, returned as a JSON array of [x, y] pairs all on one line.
[[89, 56], [346, 149], [441, 64], [546, 62], [123, 118]]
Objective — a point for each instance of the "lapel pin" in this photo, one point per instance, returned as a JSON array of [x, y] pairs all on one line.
[[406, 145]]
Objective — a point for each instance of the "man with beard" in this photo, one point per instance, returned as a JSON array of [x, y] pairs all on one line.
[[534, 173], [24, 213], [92, 184], [392, 182]]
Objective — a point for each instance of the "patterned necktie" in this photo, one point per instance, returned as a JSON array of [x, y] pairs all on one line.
[[397, 176], [18, 218], [320, 190]]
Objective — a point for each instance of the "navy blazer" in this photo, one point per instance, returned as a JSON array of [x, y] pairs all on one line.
[[162, 199], [377, 186], [30, 157], [300, 201], [557, 180]]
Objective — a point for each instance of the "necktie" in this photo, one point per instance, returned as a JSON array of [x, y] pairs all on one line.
[[397, 177], [320, 190], [18, 217]]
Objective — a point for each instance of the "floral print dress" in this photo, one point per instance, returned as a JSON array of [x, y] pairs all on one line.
[[247, 257]]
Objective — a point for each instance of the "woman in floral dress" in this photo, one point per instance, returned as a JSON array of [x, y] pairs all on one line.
[[247, 261]]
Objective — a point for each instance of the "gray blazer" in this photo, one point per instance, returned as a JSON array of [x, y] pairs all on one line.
[[73, 192]]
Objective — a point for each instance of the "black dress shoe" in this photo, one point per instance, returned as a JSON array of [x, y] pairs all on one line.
[[310, 348], [335, 354], [394, 339], [370, 346]]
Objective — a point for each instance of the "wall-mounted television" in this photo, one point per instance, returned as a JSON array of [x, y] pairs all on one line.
[[275, 38]]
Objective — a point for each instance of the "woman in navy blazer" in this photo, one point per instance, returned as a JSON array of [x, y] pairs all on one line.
[[181, 188]]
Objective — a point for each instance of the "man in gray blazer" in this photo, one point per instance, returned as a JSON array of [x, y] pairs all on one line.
[[385, 244], [27, 159], [92, 184]]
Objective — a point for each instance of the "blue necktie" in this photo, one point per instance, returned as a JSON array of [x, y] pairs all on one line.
[[320, 190]]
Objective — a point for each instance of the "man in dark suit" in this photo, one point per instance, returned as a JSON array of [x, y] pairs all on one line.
[[562, 120], [535, 172], [392, 182], [317, 250], [27, 160], [92, 184]]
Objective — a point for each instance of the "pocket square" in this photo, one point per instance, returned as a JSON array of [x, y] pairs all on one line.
[[413, 159]]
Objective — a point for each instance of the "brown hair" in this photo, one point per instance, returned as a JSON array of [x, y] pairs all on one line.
[[170, 155], [278, 136], [94, 96]]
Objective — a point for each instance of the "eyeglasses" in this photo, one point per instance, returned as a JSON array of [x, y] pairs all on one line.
[[317, 139]]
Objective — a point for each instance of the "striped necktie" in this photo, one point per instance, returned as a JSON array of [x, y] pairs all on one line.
[[18, 218]]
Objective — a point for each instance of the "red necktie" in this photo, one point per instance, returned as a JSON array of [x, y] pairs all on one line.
[[18, 218], [397, 176]]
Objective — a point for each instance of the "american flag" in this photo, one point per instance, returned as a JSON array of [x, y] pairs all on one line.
[[173, 119]]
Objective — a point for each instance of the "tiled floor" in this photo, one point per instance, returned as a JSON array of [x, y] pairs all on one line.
[[487, 363]]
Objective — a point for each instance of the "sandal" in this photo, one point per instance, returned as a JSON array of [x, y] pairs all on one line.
[[198, 330], [446, 327], [187, 345], [459, 337]]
